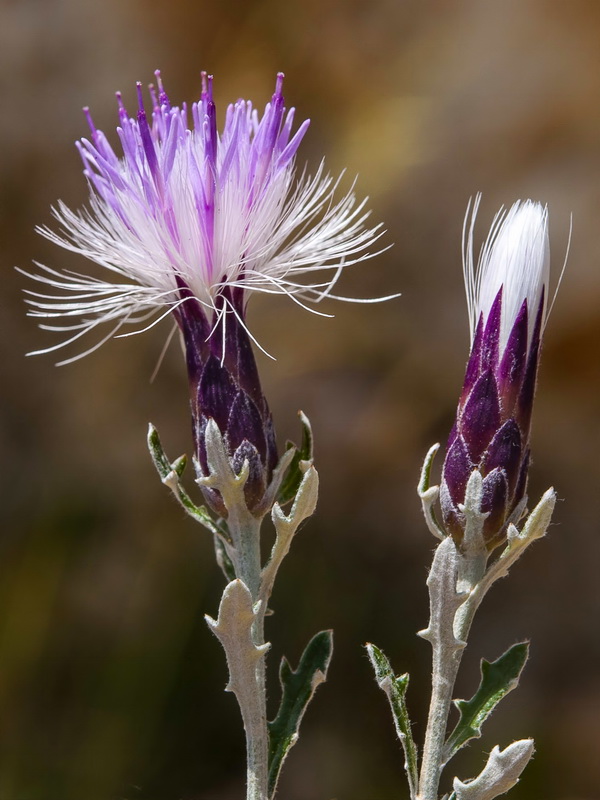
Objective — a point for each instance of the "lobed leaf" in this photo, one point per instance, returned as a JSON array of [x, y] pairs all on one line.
[[297, 690], [170, 473], [497, 680], [501, 772]]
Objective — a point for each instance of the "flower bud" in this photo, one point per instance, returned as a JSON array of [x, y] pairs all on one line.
[[506, 295]]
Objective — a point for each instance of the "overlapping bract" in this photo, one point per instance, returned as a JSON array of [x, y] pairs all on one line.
[[225, 386]]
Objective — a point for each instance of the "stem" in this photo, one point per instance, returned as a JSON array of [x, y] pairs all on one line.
[[447, 656], [257, 737], [443, 680], [245, 531]]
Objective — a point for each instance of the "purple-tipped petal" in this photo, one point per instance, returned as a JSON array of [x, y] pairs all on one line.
[[216, 392], [452, 518], [473, 370], [245, 424], [255, 485], [457, 468], [524, 406], [481, 416], [505, 452], [491, 335], [494, 503], [512, 365], [146, 137], [452, 436]]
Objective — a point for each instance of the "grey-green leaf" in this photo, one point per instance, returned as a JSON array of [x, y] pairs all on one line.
[[291, 483], [497, 680], [170, 473], [297, 690], [395, 689]]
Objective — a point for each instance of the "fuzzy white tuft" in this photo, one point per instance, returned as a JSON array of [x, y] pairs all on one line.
[[515, 257]]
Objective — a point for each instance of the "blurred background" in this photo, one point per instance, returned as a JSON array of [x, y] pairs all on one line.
[[111, 686]]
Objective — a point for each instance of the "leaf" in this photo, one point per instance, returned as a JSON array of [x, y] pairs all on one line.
[[286, 527], [395, 689], [170, 473], [497, 680], [501, 773], [291, 482], [297, 690], [429, 494], [444, 601], [233, 628]]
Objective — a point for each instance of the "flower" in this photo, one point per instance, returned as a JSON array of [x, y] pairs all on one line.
[[185, 207], [189, 222], [507, 297]]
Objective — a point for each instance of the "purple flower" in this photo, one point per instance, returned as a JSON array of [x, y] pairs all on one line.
[[507, 295], [189, 221]]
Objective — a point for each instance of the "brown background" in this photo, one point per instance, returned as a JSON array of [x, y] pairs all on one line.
[[110, 683]]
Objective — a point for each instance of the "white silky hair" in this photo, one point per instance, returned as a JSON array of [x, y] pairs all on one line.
[[514, 257], [294, 232]]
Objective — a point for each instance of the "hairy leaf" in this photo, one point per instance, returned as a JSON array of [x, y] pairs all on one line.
[[497, 680], [297, 690], [501, 772], [170, 473], [395, 689]]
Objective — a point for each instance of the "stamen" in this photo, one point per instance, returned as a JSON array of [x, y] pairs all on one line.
[[207, 82], [210, 152], [279, 85], [146, 136], [123, 115], [162, 95], [140, 97], [90, 121]]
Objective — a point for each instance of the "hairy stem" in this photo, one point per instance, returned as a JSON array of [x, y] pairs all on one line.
[[257, 739], [448, 646], [245, 531], [443, 680]]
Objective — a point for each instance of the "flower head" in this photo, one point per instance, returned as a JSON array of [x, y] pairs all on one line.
[[506, 294], [189, 221], [187, 212]]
